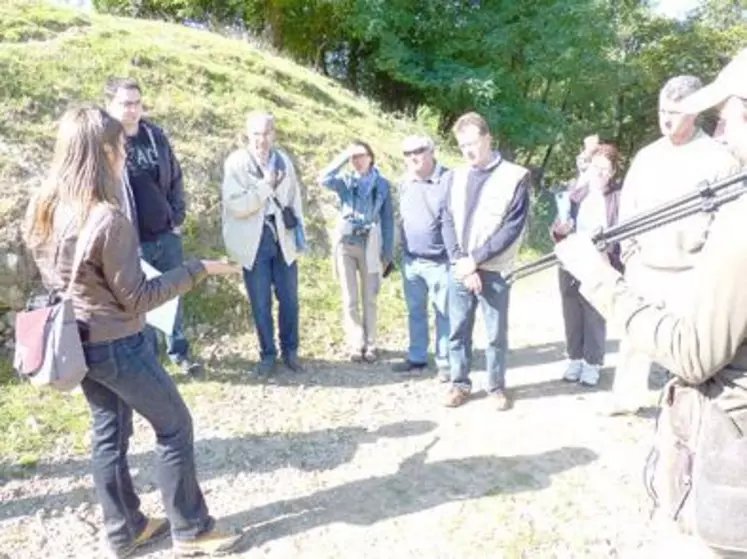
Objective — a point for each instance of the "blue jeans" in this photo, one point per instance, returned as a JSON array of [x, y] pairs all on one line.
[[165, 254], [123, 375], [493, 301], [270, 270], [422, 277]]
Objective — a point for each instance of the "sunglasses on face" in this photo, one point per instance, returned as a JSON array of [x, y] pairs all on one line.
[[419, 151]]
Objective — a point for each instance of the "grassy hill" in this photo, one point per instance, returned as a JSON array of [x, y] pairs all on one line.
[[199, 86]]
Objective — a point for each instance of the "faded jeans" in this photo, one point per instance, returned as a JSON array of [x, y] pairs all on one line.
[[493, 302], [424, 279], [125, 375]]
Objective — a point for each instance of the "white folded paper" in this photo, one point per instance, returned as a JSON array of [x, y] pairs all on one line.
[[163, 317], [563, 205]]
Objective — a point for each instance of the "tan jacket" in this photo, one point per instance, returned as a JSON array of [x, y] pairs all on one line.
[[704, 346], [111, 294], [244, 203]]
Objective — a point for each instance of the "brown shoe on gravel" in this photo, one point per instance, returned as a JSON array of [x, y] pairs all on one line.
[[155, 530], [456, 397], [213, 544], [502, 400]]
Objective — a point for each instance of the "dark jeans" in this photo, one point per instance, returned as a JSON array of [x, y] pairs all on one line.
[[165, 254], [493, 301], [125, 375], [585, 328], [270, 270]]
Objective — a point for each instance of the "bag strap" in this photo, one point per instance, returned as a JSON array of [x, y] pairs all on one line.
[[81, 245], [277, 203]]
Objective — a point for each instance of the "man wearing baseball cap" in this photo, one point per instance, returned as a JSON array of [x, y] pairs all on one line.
[[698, 466], [729, 92]]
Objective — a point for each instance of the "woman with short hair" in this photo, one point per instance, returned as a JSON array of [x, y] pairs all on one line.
[[363, 242], [594, 202]]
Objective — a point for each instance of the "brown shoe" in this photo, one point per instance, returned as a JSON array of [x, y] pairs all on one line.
[[502, 400], [456, 397], [155, 530], [213, 543]]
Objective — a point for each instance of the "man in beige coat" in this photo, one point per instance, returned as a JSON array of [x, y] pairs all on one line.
[[664, 170], [263, 231]]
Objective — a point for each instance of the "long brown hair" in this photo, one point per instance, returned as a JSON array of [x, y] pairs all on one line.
[[81, 175]]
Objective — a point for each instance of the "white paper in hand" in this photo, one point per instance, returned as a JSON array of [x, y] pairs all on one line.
[[563, 205], [163, 317]]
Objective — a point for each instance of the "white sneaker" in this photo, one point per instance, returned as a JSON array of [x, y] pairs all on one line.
[[573, 372], [589, 374]]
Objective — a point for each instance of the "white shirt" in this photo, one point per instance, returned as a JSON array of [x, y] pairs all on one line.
[[592, 212]]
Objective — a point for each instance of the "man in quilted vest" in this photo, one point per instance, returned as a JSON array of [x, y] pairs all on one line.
[[483, 227]]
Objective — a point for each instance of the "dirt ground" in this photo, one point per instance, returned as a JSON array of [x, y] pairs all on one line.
[[359, 462]]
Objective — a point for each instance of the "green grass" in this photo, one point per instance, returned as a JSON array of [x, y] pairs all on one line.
[[34, 422], [199, 86]]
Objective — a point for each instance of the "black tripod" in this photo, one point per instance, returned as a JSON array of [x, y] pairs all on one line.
[[707, 198]]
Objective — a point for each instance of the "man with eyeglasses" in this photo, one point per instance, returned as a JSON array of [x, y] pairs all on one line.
[[425, 262], [154, 188], [660, 262], [484, 224]]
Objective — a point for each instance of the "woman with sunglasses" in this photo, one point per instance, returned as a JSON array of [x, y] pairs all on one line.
[[111, 296], [363, 242]]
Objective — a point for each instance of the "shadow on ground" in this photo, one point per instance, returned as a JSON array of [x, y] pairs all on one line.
[[417, 485], [320, 450], [235, 368], [542, 354]]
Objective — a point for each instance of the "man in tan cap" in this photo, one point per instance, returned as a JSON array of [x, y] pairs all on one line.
[[729, 92], [699, 470]]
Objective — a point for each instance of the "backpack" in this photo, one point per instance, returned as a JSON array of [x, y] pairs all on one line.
[[48, 346], [699, 462]]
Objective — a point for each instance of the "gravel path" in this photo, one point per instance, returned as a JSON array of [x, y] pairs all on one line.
[[356, 461]]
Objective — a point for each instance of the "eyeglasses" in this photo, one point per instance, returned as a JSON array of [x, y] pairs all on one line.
[[359, 155], [129, 104], [418, 151]]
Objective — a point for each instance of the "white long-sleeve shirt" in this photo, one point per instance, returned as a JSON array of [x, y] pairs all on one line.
[[663, 172]]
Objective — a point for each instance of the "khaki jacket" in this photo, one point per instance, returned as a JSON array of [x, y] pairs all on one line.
[[704, 346], [244, 201]]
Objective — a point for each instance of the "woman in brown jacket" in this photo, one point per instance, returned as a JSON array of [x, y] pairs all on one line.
[[594, 202], [111, 296]]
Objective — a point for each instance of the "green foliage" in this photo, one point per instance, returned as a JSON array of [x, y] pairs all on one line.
[[546, 73]]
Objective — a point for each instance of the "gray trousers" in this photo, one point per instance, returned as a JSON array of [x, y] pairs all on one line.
[[359, 296], [585, 328]]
